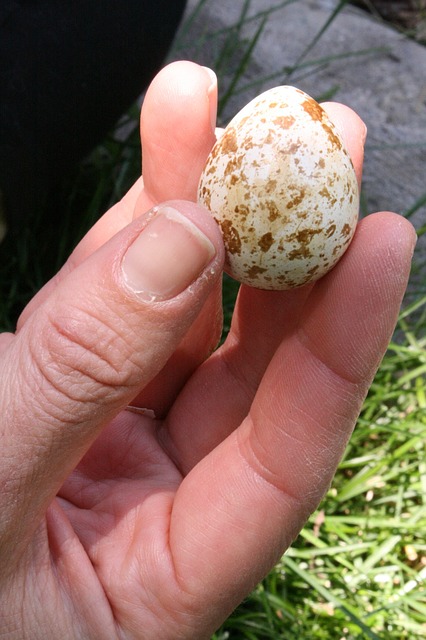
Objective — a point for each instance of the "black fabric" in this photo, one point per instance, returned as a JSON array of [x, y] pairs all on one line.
[[68, 70]]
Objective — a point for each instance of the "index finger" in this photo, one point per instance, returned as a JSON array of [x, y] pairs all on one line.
[[261, 321]]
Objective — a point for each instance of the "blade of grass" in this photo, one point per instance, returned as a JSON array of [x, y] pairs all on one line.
[[241, 67], [333, 15], [311, 66], [411, 375], [418, 204], [189, 21], [379, 554], [232, 41], [414, 306], [214, 34], [421, 231]]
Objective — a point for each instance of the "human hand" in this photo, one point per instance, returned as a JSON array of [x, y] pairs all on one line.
[[115, 524]]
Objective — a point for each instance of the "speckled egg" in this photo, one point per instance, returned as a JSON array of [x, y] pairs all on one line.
[[283, 190]]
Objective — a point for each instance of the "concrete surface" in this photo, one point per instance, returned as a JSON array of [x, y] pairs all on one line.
[[386, 86]]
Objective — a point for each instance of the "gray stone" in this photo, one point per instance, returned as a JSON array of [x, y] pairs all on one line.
[[357, 60]]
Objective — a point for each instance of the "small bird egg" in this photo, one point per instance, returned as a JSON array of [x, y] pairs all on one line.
[[283, 190]]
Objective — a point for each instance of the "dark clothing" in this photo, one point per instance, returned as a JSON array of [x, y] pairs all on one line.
[[68, 70]]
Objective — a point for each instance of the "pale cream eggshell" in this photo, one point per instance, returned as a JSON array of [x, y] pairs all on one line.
[[283, 190]]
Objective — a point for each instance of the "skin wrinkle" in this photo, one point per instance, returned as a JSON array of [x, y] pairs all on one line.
[[168, 613], [305, 343], [286, 501], [308, 456], [172, 171], [111, 353], [258, 450], [390, 262], [247, 486], [338, 392], [121, 370], [70, 545], [30, 446], [338, 385], [287, 425], [29, 609], [245, 382], [51, 394]]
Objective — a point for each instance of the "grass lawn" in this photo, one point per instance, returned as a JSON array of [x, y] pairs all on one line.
[[358, 568]]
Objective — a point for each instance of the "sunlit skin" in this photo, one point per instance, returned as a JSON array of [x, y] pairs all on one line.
[[118, 525]]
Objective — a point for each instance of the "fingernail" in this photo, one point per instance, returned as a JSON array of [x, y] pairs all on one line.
[[167, 256], [212, 95]]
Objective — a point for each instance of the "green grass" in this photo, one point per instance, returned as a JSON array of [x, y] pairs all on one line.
[[358, 568]]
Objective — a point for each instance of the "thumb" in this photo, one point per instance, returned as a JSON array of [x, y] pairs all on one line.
[[102, 335]]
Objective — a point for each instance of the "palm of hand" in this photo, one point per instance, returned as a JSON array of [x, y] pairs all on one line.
[[118, 502]]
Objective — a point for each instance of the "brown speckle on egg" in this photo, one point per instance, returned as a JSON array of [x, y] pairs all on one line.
[[228, 142], [266, 242], [313, 109], [332, 136], [254, 271], [231, 236], [285, 122]]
